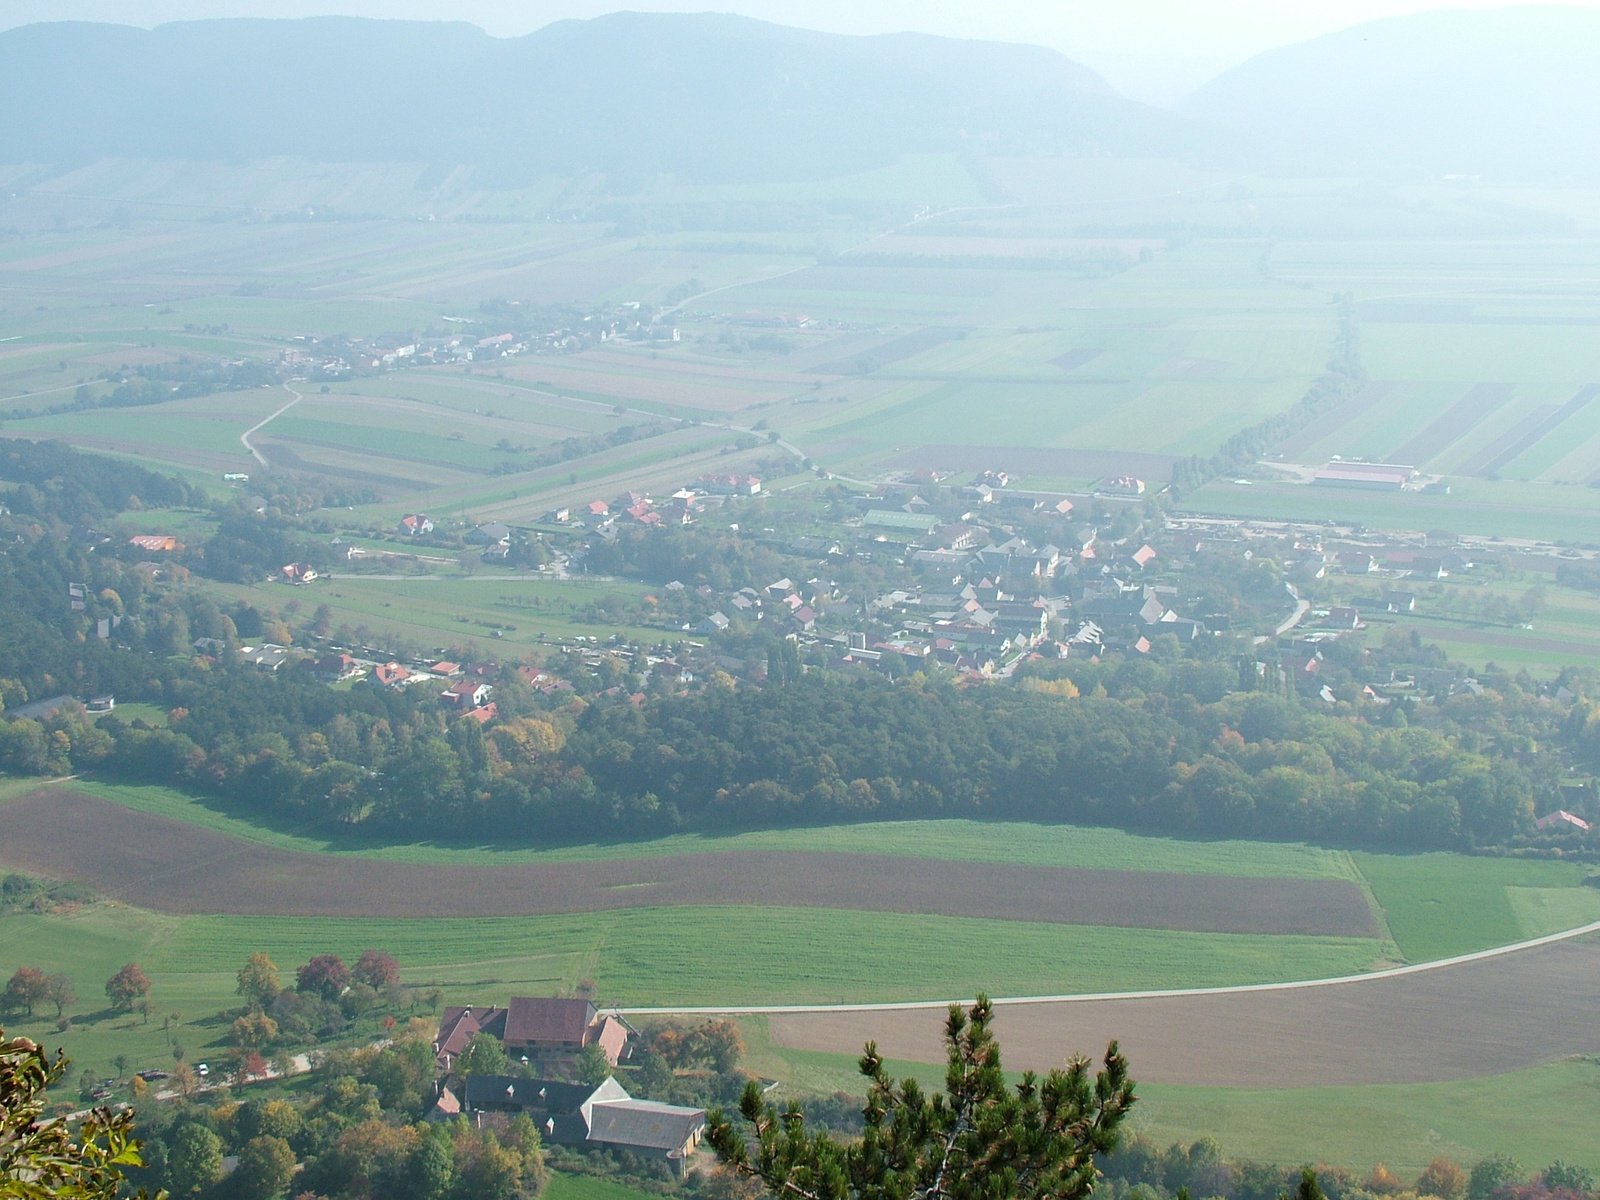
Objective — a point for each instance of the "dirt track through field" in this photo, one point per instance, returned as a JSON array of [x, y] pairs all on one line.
[[158, 863], [1457, 1022]]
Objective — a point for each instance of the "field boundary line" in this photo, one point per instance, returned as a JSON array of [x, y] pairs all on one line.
[[244, 438], [1162, 994]]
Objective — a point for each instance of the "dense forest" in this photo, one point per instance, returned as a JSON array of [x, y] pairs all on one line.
[[1178, 744]]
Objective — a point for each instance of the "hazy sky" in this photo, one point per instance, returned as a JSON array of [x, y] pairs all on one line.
[[1153, 50]]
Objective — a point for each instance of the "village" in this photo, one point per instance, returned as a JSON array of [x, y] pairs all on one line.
[[980, 580]]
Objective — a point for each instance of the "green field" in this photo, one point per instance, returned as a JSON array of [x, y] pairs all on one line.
[[590, 1187], [1535, 1115], [973, 841], [1538, 511], [1439, 905], [1435, 905], [643, 957], [452, 610]]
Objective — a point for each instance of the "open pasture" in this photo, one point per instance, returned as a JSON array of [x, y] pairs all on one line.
[[1007, 842], [641, 956], [1565, 631], [1487, 508], [1536, 1115], [444, 610]]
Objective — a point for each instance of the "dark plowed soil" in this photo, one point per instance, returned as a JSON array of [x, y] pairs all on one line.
[[1478, 1018], [167, 865]]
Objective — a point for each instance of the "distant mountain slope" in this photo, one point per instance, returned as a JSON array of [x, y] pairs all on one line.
[[1506, 93], [703, 96]]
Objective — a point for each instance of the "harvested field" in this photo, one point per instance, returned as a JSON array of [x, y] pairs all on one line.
[[1551, 418], [1477, 1018], [169, 866], [1487, 462], [1073, 359], [907, 346], [630, 377], [1454, 423], [1040, 460], [1335, 419]]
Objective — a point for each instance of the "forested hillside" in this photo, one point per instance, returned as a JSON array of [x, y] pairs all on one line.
[[704, 96], [1194, 744]]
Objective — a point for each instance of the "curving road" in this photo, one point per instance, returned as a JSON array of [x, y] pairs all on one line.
[[244, 438], [1478, 1014]]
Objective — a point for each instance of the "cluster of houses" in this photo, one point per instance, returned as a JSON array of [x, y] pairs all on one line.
[[683, 507], [466, 687], [314, 358], [546, 1036]]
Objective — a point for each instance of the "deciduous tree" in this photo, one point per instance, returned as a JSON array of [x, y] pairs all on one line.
[[978, 1139], [127, 987], [194, 1161], [266, 1166], [325, 975], [376, 969], [254, 1030], [1443, 1179], [484, 1055], [58, 990], [26, 987], [258, 981], [1491, 1174]]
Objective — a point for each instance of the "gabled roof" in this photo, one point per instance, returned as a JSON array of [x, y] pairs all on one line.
[[541, 1095], [644, 1123], [546, 1019]]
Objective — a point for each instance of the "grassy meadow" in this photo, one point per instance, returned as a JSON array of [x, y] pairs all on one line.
[[643, 957], [1535, 1115]]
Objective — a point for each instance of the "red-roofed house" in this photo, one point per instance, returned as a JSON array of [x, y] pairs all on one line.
[[1561, 817], [446, 668], [391, 674], [466, 694], [484, 713]]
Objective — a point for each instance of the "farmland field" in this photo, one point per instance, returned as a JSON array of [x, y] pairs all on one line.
[[589, 1187], [1434, 905], [643, 956], [1006, 337], [1364, 1031], [1536, 1115], [159, 863]]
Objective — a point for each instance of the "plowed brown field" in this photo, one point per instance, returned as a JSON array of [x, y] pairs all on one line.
[[158, 863], [1457, 1022]]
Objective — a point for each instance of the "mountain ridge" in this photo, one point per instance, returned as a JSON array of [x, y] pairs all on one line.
[[701, 96], [1505, 94]]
